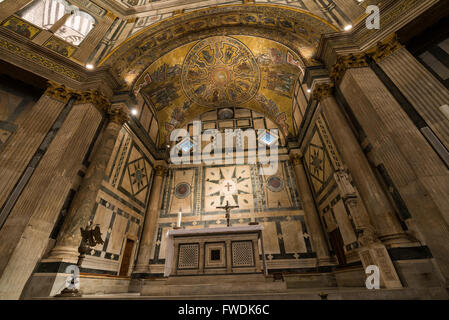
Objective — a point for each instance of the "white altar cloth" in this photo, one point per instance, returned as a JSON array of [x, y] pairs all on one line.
[[229, 230]]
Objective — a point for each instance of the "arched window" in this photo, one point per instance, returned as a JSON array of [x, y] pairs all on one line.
[[76, 27], [45, 13]]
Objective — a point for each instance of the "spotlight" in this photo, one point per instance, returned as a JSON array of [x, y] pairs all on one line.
[[89, 66]]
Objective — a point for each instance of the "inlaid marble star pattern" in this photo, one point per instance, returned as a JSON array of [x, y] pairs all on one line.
[[228, 184]]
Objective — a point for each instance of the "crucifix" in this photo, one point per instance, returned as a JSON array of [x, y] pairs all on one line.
[[228, 208]]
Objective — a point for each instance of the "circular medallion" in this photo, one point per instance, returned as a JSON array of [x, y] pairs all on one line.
[[225, 113], [220, 72], [182, 190], [275, 184]]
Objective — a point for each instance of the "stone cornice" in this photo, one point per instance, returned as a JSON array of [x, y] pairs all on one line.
[[394, 15], [48, 64]]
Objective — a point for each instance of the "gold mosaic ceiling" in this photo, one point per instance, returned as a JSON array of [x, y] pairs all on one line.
[[222, 71], [245, 56]]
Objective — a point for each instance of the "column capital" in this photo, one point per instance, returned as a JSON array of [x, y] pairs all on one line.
[[96, 98], [353, 60], [385, 48], [379, 52], [59, 91], [118, 115], [160, 170], [296, 158], [322, 91]]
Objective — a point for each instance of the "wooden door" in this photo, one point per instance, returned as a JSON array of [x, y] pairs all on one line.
[[338, 245], [126, 260]]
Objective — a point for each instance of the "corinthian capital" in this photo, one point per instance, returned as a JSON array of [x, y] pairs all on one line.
[[160, 170], [118, 115], [322, 91], [96, 98], [59, 91], [296, 158]]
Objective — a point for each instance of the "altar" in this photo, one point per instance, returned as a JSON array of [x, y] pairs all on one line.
[[215, 251]]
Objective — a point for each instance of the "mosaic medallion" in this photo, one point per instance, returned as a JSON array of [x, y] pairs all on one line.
[[220, 72], [275, 184], [182, 190]]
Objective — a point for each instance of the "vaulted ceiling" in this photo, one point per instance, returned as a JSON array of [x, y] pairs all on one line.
[[231, 56]]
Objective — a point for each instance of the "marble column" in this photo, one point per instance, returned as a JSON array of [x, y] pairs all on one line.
[[311, 216], [381, 212], [143, 258], [94, 37], [416, 170], [25, 234], [32, 127], [83, 205], [424, 92]]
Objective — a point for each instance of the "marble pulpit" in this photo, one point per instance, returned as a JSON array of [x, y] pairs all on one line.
[[215, 251]]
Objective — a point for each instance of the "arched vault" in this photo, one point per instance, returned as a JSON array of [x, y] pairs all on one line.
[[239, 55]]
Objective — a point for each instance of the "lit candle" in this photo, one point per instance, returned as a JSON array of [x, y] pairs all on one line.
[[179, 218]]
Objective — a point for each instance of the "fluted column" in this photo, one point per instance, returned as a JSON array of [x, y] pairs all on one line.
[[376, 202], [69, 237], [416, 170], [419, 86], [32, 127], [94, 37], [143, 258], [24, 236], [310, 213]]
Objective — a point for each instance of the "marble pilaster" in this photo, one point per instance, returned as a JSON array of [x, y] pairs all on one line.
[[382, 214], [143, 258], [310, 212], [416, 170]]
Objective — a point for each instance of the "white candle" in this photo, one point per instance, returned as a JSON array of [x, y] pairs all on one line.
[[179, 218]]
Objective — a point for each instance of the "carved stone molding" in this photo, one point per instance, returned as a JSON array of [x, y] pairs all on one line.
[[322, 91]]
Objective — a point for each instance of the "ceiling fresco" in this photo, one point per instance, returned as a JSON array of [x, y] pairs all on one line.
[[240, 71]]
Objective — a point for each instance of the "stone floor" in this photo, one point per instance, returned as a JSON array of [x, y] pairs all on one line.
[[297, 294]]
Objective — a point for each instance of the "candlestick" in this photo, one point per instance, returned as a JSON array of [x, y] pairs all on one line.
[[179, 218]]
